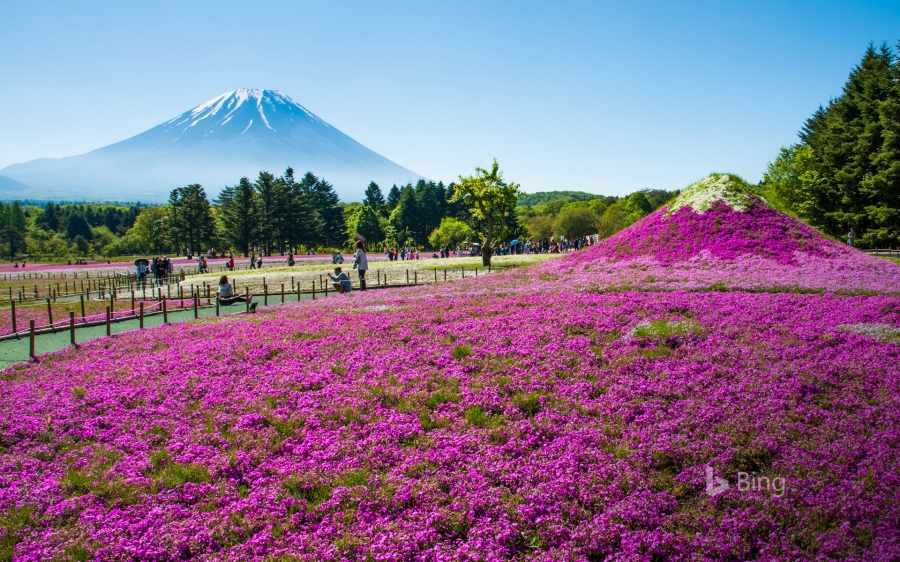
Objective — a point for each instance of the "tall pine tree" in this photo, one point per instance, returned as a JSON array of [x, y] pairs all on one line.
[[331, 216], [239, 216], [375, 199], [854, 156]]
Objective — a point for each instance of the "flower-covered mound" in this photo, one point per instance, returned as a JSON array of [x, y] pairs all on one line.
[[570, 427], [757, 248]]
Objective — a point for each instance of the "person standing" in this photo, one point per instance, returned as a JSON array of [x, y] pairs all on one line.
[[361, 263], [252, 260], [851, 238]]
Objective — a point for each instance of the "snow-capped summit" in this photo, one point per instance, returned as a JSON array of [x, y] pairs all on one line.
[[238, 133], [240, 107]]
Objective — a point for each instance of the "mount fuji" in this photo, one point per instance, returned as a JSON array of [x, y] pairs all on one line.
[[236, 134]]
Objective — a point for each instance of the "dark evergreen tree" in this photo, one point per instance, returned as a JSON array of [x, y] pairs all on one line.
[[854, 155], [407, 219], [330, 213], [432, 208], [270, 197], [13, 240], [303, 224], [49, 219], [239, 215], [77, 225], [375, 199], [392, 199], [191, 217]]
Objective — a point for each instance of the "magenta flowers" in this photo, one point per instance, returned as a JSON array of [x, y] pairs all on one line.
[[535, 415]]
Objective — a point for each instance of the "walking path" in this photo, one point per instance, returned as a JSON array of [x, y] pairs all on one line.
[[14, 351]]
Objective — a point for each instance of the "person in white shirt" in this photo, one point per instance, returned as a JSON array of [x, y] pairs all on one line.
[[361, 263]]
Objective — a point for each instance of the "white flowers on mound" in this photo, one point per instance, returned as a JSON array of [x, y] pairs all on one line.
[[883, 332], [700, 196]]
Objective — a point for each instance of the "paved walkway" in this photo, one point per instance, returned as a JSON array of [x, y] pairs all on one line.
[[14, 351]]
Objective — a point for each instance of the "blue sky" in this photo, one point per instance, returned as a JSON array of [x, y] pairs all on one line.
[[595, 96]]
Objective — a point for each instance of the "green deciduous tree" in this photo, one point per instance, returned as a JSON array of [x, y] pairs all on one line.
[[490, 198], [450, 233], [576, 222]]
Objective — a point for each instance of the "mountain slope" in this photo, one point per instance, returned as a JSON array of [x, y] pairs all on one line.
[[236, 134], [12, 189]]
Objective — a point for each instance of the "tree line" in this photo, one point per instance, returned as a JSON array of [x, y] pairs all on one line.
[[281, 214], [845, 171]]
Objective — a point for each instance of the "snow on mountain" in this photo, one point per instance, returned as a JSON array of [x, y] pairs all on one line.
[[235, 134]]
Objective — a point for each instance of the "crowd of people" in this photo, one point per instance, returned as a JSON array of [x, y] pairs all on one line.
[[551, 246], [403, 254]]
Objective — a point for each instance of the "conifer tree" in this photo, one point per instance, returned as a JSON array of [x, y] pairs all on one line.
[[393, 198], [191, 217], [331, 216], [374, 198], [304, 225], [846, 174], [239, 215], [269, 194]]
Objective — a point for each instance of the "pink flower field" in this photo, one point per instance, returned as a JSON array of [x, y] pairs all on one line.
[[717, 386]]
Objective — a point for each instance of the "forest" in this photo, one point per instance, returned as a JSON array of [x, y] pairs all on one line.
[[280, 214]]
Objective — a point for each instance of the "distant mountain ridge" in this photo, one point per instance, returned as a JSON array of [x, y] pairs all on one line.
[[238, 133]]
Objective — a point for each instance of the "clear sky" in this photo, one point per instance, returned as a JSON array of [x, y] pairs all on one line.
[[604, 97]]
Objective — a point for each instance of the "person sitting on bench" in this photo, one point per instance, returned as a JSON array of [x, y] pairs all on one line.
[[226, 293]]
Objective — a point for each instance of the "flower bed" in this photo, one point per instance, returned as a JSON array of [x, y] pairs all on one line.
[[434, 428], [587, 408]]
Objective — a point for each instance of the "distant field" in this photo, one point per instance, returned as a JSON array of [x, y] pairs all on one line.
[[422, 271]]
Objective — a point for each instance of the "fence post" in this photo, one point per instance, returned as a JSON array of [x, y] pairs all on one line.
[[108, 323], [282, 293], [196, 307], [247, 297], [314, 291], [142, 314], [165, 312], [72, 328], [435, 275], [407, 276], [132, 303], [265, 293], [82, 307], [217, 306], [13, 303], [49, 314], [31, 339]]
